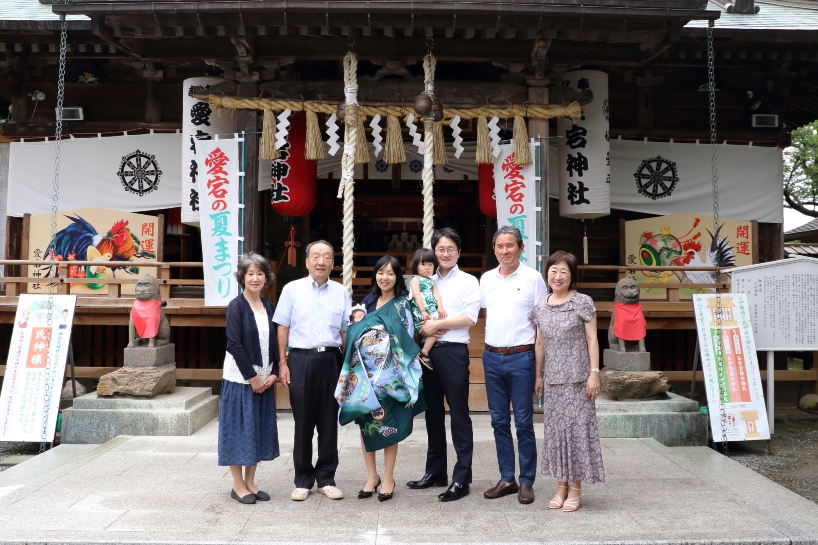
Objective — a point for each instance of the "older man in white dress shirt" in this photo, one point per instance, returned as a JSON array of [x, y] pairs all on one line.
[[312, 317], [508, 294]]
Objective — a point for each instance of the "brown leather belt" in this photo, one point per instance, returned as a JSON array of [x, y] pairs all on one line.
[[510, 349]]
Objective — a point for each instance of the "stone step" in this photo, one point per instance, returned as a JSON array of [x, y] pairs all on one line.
[[181, 398]]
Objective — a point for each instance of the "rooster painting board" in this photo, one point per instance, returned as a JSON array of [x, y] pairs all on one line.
[[685, 240], [93, 234]]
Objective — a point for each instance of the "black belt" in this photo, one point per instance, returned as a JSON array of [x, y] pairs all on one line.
[[446, 343], [314, 350]]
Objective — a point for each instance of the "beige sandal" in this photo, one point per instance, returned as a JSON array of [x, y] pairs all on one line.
[[572, 504], [557, 502]]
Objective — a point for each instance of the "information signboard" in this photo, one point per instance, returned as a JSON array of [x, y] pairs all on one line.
[[732, 379], [783, 302], [35, 368]]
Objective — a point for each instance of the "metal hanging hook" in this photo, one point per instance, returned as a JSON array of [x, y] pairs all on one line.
[[430, 42], [351, 43]]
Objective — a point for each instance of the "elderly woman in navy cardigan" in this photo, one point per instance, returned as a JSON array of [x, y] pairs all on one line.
[[247, 416]]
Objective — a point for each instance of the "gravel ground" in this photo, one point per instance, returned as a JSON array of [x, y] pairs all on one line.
[[793, 464], [12, 449]]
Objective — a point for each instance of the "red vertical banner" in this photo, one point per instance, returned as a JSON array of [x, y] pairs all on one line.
[[735, 365], [38, 347]]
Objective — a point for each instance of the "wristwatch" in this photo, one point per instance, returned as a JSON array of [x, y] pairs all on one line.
[[595, 370]]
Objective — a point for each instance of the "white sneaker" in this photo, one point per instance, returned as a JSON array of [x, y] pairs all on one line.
[[332, 492], [300, 494]]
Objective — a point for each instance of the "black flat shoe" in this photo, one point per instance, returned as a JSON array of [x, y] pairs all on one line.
[[363, 494], [429, 481], [454, 492], [248, 499], [262, 496]]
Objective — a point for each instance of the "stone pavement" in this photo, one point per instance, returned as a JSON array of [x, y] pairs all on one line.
[[170, 490]]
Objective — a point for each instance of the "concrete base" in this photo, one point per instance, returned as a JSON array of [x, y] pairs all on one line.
[[150, 357], [626, 361], [96, 420], [672, 420]]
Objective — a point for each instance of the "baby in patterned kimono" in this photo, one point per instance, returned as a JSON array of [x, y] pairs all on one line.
[[426, 302]]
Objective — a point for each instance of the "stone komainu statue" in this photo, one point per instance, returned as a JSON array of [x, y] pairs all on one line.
[[627, 330], [148, 326]]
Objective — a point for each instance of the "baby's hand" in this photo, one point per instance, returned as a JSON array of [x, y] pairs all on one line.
[[442, 313]]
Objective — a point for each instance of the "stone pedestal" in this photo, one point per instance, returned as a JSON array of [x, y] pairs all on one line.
[[672, 420], [95, 420], [626, 361], [632, 384], [150, 357]]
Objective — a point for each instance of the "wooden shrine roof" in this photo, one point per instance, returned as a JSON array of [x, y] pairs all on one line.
[[31, 15], [773, 15]]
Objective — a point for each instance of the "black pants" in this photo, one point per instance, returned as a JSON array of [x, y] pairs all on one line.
[[450, 378], [313, 377]]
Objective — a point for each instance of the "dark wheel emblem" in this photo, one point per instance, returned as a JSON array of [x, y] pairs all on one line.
[[139, 173], [656, 178]]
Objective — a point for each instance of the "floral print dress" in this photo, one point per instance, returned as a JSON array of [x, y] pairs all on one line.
[[571, 449]]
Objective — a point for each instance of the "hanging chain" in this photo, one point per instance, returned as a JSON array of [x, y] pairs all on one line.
[[50, 372], [711, 83]]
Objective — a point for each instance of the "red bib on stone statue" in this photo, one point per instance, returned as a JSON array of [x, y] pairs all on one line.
[[629, 322], [145, 316]]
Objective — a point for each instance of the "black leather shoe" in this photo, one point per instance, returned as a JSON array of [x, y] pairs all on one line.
[[454, 492], [248, 499], [429, 481]]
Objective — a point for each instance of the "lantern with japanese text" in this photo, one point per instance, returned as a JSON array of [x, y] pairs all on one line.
[[584, 151], [293, 177], [198, 123], [485, 180]]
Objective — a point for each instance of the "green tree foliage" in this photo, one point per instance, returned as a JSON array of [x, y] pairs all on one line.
[[801, 171]]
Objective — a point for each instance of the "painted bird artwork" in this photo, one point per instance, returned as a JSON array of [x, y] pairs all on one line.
[[719, 254], [80, 241]]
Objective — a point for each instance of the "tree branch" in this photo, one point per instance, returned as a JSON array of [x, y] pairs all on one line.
[[791, 203]]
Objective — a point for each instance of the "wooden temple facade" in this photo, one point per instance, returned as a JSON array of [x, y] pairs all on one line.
[[499, 52]]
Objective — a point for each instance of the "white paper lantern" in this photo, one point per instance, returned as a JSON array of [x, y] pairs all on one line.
[[198, 120], [584, 151]]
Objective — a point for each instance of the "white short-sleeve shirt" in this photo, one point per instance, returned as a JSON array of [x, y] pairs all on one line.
[[460, 292], [316, 315], [507, 302]]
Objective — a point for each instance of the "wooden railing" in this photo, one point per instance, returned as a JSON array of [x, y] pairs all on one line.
[[672, 289], [15, 285]]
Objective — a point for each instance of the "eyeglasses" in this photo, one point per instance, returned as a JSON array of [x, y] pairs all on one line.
[[445, 250]]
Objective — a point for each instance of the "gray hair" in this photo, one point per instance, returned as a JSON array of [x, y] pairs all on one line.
[[252, 258], [311, 244], [508, 230]]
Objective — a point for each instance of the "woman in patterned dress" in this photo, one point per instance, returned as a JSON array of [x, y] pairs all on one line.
[[247, 410], [379, 387], [567, 371]]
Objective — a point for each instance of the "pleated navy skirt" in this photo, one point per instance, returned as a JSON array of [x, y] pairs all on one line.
[[248, 433]]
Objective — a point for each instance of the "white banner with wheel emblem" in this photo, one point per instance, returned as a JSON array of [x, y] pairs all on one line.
[[126, 173]]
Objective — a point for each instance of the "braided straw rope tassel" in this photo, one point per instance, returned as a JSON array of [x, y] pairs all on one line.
[[522, 153], [483, 154], [268, 137], [361, 152], [346, 186], [393, 152], [314, 149], [439, 144], [428, 175]]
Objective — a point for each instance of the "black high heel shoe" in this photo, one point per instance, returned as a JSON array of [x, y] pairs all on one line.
[[363, 494], [386, 496]]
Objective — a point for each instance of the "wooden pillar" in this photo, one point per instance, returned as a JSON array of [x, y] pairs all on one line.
[[247, 121], [538, 128], [153, 102]]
